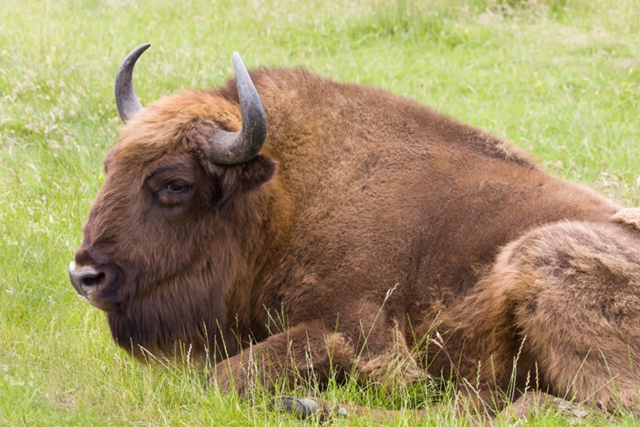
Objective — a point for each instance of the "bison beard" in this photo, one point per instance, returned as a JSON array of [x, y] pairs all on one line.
[[370, 235]]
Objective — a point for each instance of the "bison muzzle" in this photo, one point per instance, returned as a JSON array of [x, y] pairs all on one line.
[[289, 225]]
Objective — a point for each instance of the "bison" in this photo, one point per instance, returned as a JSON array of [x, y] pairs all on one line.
[[289, 226]]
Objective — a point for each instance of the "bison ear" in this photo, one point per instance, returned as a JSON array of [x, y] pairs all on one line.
[[246, 177]]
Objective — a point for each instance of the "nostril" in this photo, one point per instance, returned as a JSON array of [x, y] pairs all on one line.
[[85, 279], [91, 280]]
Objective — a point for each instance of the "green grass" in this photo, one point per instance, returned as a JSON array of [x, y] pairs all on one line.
[[558, 77]]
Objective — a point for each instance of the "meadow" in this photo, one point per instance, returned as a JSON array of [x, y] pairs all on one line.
[[560, 78]]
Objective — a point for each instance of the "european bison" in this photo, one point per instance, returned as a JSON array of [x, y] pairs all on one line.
[[303, 226]]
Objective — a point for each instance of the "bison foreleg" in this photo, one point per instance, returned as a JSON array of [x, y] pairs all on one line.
[[305, 352], [373, 350], [309, 352]]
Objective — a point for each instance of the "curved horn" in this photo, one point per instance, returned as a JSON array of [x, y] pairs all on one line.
[[230, 148], [126, 99]]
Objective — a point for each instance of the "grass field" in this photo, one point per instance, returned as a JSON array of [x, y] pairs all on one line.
[[560, 78]]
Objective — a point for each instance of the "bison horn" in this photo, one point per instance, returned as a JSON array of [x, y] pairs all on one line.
[[230, 148], [126, 99]]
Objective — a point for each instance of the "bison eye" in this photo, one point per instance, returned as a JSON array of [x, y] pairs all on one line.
[[176, 187], [174, 193]]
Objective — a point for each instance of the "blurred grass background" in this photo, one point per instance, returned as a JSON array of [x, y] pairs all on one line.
[[560, 78]]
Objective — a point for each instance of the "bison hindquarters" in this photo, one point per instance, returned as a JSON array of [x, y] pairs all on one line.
[[563, 304]]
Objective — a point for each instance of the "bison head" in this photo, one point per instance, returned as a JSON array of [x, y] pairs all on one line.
[[169, 230]]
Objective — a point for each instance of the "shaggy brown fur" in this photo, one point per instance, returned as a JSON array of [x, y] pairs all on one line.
[[366, 220]]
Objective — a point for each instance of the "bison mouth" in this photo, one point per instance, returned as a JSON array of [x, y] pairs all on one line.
[[95, 285]]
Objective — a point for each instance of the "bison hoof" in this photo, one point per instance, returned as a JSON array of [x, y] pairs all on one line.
[[302, 407]]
